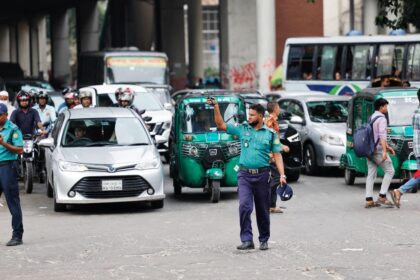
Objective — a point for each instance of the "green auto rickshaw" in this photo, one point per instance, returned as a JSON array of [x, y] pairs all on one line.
[[402, 104], [202, 156]]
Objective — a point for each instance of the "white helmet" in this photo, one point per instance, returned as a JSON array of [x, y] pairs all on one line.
[[84, 94], [126, 95]]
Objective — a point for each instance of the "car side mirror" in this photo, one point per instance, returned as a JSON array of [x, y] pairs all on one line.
[[296, 120], [285, 116], [141, 112], [46, 143], [167, 106]]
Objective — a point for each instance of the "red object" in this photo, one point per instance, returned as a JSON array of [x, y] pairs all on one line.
[[417, 174]]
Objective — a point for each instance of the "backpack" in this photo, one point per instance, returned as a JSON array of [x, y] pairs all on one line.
[[363, 139]]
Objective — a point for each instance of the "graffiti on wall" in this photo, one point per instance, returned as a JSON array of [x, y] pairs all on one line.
[[243, 76]]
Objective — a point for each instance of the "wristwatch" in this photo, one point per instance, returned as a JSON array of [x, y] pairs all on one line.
[[283, 176]]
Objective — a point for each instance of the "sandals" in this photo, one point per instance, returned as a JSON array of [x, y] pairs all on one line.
[[371, 204], [396, 197], [384, 201]]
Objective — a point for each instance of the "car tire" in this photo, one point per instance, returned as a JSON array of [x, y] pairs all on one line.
[[177, 187], [214, 190], [293, 175], [157, 204], [50, 192], [309, 157], [59, 207], [349, 177]]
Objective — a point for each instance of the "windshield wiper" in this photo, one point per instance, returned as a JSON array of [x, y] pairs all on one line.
[[136, 144]]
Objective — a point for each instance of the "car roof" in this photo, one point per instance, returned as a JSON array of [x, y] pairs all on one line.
[[379, 90], [317, 97], [101, 89], [99, 112]]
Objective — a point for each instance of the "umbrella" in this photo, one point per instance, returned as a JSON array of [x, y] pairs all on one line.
[[277, 77]]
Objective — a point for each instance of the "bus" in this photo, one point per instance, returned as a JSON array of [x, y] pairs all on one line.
[[345, 65], [122, 66]]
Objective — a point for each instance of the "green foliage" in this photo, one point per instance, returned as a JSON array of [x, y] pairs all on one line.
[[398, 13]]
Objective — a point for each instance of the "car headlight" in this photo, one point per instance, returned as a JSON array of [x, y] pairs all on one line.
[[294, 138], [193, 151], [71, 166], [152, 164], [332, 139]]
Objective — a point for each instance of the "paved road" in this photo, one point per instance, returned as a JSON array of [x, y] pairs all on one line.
[[325, 233]]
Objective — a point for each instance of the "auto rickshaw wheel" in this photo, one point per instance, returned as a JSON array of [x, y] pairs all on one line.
[[349, 177], [214, 186], [309, 157], [177, 187], [293, 176]]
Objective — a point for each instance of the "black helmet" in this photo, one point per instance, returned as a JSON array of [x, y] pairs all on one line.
[[22, 96], [69, 89], [42, 94]]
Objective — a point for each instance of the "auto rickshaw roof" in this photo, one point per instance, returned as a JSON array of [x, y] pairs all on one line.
[[372, 92], [194, 93]]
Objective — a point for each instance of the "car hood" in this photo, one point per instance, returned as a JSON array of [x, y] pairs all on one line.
[[109, 154], [159, 116]]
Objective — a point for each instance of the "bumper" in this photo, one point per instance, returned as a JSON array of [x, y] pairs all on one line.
[[65, 181], [329, 155]]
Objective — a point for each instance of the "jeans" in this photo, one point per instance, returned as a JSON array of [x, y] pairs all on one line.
[[388, 169], [9, 187], [274, 182], [409, 185]]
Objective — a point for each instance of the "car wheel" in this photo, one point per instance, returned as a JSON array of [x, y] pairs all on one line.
[[309, 158], [157, 204], [293, 175], [59, 207], [349, 177], [177, 187], [50, 192]]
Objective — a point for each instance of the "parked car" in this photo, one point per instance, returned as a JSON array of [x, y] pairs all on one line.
[[102, 155], [321, 123], [161, 122], [277, 95]]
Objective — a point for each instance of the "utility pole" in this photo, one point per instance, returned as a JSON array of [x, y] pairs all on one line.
[[351, 15]]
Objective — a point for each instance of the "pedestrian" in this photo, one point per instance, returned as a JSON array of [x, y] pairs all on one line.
[[257, 141], [10, 146], [385, 81], [271, 121], [397, 193], [4, 98], [380, 157]]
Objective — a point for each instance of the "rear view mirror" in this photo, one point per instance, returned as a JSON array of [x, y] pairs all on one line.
[[296, 120], [46, 143]]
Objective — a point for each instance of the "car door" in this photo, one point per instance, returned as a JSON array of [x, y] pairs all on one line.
[[49, 162], [296, 109]]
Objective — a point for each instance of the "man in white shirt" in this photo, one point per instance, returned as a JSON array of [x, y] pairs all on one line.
[[4, 98], [46, 112]]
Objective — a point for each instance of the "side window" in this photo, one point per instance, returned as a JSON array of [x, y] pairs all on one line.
[[327, 63], [300, 63], [413, 63], [358, 62], [296, 109], [390, 60], [57, 127], [284, 104]]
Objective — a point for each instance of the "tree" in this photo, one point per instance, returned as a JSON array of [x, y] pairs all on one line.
[[396, 14]]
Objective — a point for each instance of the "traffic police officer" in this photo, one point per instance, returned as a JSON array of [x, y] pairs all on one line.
[[10, 146], [257, 141]]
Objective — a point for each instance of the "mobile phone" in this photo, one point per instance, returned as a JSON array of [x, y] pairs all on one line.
[[211, 100]]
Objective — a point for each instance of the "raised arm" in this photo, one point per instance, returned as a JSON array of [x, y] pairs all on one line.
[[221, 125]]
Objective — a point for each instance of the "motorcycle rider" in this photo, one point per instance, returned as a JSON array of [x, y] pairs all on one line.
[[85, 98], [46, 112], [26, 118], [68, 103], [125, 99], [4, 98]]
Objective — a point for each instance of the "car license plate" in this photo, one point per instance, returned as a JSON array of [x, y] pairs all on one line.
[[112, 185]]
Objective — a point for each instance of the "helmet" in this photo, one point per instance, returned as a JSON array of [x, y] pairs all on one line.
[[69, 95], [22, 96], [118, 91], [68, 89], [84, 94], [126, 95], [42, 94], [285, 192]]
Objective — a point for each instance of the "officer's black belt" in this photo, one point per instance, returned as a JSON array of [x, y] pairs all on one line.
[[6, 162], [255, 170]]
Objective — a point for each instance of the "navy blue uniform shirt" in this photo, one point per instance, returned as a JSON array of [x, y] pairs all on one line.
[[27, 122]]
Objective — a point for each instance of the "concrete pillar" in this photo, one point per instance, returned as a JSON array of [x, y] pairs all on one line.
[[87, 26], [266, 38], [195, 40], [42, 48], [172, 40], [24, 47], [4, 42], [140, 24], [60, 48], [238, 52], [13, 43], [370, 11], [34, 46]]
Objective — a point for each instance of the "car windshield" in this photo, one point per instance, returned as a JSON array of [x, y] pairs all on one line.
[[136, 69], [199, 118], [104, 132], [162, 94], [401, 110], [328, 111], [142, 100]]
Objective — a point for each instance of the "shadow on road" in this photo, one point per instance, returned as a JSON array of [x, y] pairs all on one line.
[[198, 196]]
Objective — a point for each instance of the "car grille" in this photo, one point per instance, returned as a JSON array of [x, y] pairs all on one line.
[[90, 187]]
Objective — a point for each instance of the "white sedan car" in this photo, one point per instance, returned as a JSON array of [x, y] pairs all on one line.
[[102, 155]]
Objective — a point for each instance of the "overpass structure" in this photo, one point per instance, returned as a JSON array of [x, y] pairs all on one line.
[[35, 34]]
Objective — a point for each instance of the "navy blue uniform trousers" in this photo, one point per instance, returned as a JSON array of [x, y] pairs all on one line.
[[254, 187], [9, 187]]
